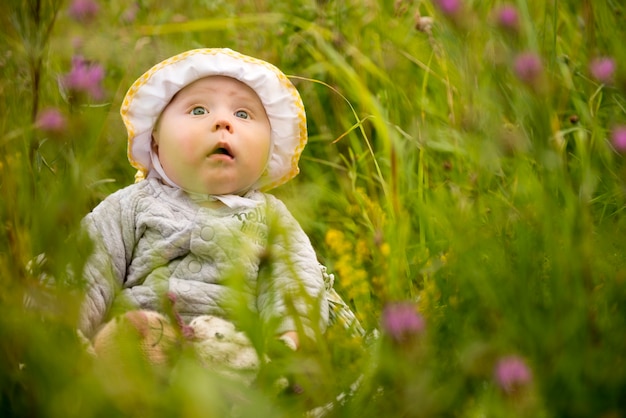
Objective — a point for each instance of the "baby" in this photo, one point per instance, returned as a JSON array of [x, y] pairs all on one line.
[[210, 131]]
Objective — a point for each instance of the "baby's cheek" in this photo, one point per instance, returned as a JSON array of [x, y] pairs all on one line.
[[188, 150]]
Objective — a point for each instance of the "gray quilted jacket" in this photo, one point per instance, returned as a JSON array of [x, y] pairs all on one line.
[[154, 245]]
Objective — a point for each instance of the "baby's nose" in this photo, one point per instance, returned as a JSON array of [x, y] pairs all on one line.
[[222, 123]]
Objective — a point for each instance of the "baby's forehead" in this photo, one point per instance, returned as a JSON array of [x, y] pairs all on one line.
[[223, 86]]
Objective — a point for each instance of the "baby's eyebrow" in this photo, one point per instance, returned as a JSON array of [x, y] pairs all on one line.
[[248, 101]]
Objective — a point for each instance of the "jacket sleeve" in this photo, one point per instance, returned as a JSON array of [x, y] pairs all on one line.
[[291, 287], [110, 227]]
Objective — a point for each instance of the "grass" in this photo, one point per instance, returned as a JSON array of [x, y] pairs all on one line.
[[435, 173]]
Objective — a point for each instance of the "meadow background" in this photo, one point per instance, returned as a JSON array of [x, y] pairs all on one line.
[[465, 181]]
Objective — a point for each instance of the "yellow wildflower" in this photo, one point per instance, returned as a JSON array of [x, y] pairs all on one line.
[[337, 242], [362, 250]]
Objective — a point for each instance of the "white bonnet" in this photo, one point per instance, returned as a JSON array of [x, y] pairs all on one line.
[[150, 94]]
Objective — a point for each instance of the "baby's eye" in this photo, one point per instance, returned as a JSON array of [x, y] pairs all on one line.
[[198, 110], [242, 114]]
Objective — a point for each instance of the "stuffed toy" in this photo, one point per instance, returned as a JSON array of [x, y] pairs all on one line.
[[224, 349], [217, 343]]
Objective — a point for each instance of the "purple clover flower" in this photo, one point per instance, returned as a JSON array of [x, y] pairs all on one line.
[[51, 120], [401, 320], [512, 373], [84, 10], [528, 67], [85, 77], [602, 69], [618, 137], [507, 17], [130, 14], [449, 7]]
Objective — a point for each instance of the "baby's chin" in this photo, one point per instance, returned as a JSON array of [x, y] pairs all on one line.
[[217, 190], [222, 184]]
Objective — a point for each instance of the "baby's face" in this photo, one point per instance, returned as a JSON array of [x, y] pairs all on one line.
[[214, 137]]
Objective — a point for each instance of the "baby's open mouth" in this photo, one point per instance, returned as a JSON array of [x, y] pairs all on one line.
[[222, 151]]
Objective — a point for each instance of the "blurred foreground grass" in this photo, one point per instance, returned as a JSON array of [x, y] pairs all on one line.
[[466, 157]]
